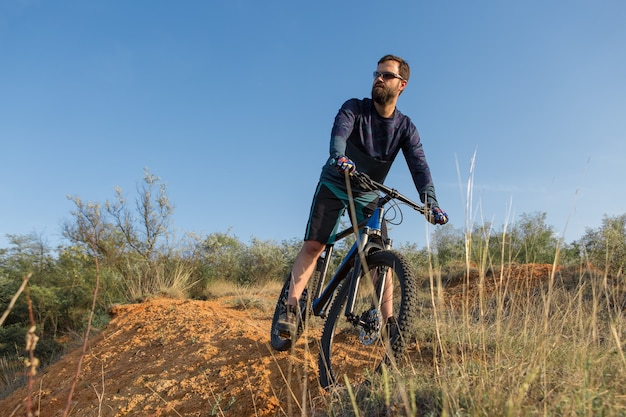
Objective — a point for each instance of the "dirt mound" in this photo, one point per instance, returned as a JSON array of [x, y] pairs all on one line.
[[468, 283], [169, 357]]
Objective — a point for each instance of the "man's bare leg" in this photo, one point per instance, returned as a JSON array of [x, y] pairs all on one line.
[[303, 268]]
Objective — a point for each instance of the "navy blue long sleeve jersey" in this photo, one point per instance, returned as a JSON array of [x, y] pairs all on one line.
[[373, 142]]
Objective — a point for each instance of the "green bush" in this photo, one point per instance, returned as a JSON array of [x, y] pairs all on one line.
[[605, 247]]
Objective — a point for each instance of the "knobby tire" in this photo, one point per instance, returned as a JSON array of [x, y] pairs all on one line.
[[342, 352]]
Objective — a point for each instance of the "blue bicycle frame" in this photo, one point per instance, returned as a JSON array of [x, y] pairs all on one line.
[[370, 227]]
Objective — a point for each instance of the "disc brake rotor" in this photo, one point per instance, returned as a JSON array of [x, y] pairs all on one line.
[[369, 326]]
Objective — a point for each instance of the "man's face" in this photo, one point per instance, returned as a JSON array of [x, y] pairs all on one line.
[[386, 89]]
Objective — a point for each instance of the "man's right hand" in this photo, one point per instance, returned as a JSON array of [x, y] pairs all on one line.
[[344, 164]]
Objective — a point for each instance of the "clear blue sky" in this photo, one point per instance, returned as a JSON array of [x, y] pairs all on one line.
[[231, 103]]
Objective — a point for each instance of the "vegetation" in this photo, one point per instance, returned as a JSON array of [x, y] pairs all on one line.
[[551, 348]]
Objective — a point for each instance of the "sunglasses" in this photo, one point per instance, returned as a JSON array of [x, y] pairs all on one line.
[[387, 75]]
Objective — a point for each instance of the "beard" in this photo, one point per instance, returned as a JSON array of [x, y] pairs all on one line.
[[382, 94]]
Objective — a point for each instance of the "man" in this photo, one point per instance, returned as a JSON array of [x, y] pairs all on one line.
[[367, 134]]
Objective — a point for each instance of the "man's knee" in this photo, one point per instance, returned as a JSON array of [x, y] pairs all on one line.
[[313, 247]]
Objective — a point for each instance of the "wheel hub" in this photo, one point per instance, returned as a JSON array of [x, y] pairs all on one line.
[[369, 326]]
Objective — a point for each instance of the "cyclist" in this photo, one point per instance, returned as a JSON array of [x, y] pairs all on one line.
[[367, 134]]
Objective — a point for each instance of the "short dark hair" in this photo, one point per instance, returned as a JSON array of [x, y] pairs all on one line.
[[405, 71]]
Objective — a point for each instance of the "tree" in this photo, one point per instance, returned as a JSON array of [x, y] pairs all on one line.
[[148, 224], [448, 244], [605, 247], [133, 241], [262, 262], [532, 240], [222, 257], [29, 255]]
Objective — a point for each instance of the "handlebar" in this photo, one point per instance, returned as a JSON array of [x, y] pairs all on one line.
[[364, 181]]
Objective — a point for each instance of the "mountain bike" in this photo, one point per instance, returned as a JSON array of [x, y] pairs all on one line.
[[359, 337]]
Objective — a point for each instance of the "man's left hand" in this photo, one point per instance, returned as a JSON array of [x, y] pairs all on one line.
[[437, 216]]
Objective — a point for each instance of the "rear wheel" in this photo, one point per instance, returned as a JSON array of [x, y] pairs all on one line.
[[278, 341], [357, 347]]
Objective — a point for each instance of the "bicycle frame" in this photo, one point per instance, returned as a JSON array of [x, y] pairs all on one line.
[[370, 227]]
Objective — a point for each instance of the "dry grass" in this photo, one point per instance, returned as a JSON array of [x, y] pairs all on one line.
[[554, 347]]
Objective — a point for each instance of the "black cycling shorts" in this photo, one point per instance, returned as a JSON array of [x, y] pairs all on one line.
[[329, 204]]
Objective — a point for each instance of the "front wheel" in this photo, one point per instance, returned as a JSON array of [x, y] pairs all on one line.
[[377, 333]]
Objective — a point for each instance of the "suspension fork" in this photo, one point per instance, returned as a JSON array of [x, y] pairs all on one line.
[[373, 228], [355, 280]]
